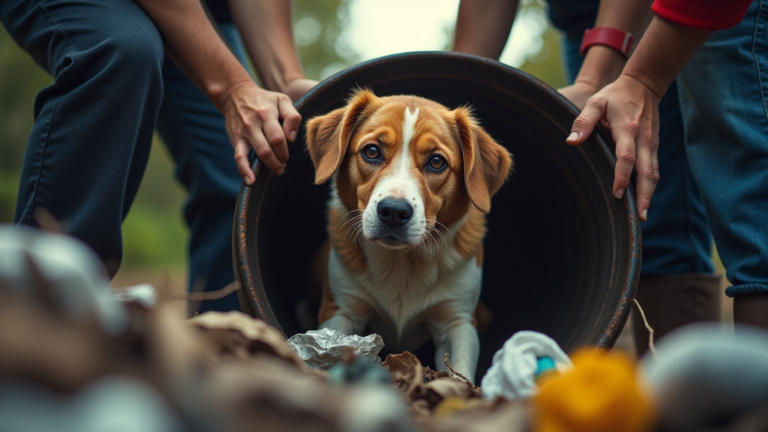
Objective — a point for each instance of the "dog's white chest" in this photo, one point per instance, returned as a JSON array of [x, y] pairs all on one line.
[[403, 290]]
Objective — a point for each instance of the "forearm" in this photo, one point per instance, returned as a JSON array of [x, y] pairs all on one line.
[[194, 45], [664, 51], [265, 26], [483, 26], [602, 65]]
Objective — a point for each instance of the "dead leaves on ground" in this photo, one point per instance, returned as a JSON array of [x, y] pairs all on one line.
[[440, 402]]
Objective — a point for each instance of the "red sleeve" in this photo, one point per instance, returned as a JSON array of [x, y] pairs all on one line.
[[702, 14]]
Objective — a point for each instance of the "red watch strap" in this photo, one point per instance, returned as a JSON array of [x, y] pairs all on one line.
[[610, 37]]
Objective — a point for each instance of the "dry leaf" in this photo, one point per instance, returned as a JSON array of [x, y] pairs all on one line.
[[437, 390], [481, 416], [48, 348], [235, 334], [430, 375], [406, 370], [265, 393]]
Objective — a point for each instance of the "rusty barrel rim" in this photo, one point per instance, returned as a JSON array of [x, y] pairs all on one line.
[[252, 295]]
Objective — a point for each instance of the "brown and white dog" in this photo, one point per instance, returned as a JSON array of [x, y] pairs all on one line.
[[411, 183]]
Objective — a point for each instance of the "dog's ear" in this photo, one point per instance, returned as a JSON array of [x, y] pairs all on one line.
[[486, 163], [328, 135]]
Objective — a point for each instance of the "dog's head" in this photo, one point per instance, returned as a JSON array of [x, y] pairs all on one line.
[[406, 163]]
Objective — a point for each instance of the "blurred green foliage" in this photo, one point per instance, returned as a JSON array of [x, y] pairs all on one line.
[[154, 232]]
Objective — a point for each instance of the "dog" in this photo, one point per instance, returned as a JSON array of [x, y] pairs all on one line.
[[411, 184]]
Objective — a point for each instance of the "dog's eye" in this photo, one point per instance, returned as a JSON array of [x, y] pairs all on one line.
[[372, 153], [437, 163]]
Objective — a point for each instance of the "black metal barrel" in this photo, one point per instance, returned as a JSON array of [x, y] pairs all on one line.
[[562, 255]]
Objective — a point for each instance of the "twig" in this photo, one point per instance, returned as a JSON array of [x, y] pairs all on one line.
[[466, 380], [648, 327], [47, 222], [210, 295]]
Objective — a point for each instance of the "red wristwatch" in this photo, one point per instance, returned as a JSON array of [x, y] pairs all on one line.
[[610, 37]]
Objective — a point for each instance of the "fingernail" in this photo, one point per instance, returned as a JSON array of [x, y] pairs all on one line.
[[292, 135], [247, 180], [280, 171], [573, 136], [619, 194], [645, 214]]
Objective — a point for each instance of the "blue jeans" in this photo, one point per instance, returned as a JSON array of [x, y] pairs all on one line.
[[93, 128], [676, 237], [724, 102]]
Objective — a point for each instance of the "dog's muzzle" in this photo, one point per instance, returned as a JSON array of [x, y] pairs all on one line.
[[393, 217], [394, 213]]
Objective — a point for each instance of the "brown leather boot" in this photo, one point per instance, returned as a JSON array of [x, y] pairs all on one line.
[[670, 302], [751, 309]]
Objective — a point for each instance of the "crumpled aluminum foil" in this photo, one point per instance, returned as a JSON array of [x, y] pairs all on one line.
[[322, 349]]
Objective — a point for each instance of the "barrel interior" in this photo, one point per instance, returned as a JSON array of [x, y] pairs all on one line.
[[561, 254]]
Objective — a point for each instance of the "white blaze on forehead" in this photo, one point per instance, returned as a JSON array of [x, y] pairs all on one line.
[[408, 125]]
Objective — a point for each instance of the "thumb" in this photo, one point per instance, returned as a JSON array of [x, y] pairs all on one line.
[[586, 121]]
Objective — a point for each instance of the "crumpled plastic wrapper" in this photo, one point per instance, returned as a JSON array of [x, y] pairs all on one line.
[[144, 294], [513, 372], [322, 349], [78, 282], [704, 374]]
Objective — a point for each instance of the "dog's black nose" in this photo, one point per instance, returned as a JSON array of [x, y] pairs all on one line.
[[394, 212]]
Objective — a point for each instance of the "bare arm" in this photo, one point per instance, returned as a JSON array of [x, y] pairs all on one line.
[[265, 26], [252, 114], [483, 26], [629, 106], [602, 65], [193, 44], [665, 50]]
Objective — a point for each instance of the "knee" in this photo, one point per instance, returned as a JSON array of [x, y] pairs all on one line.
[[124, 55], [136, 55]]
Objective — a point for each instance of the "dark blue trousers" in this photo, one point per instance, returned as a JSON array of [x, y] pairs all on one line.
[[86, 155]]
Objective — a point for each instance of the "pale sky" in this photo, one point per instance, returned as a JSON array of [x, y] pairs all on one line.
[[382, 27]]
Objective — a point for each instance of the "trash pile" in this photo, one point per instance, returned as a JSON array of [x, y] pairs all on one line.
[[76, 355]]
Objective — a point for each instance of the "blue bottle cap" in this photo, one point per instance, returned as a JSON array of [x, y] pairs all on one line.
[[544, 364]]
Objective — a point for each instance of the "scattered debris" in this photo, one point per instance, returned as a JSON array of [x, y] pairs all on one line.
[[704, 375], [356, 370], [322, 349], [599, 394], [513, 372], [74, 355]]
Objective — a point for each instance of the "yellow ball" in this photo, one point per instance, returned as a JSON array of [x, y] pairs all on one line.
[[600, 393]]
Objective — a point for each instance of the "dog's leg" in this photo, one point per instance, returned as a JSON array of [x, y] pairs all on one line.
[[344, 324], [457, 337], [464, 346]]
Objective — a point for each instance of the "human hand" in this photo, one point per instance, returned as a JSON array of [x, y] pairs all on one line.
[[578, 93], [298, 87], [631, 111], [253, 120]]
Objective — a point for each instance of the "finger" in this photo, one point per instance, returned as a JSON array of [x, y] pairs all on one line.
[[586, 121], [276, 138], [291, 118], [241, 160], [625, 160], [646, 173], [265, 154]]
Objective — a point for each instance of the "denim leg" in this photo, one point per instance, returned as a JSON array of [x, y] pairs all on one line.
[[724, 103], [193, 130], [676, 236], [93, 126]]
